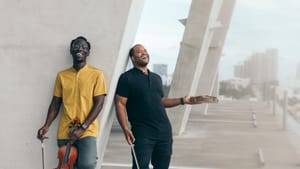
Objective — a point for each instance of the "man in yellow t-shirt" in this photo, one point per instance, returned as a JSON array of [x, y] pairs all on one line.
[[80, 90]]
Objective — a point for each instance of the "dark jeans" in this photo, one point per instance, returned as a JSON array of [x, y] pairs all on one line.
[[87, 152], [157, 151]]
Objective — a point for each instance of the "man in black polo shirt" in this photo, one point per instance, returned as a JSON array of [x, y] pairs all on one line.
[[139, 96]]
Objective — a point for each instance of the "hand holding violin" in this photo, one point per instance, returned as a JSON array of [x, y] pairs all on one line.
[[76, 134]]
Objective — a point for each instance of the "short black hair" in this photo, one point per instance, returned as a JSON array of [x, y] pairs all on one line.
[[82, 38], [131, 51]]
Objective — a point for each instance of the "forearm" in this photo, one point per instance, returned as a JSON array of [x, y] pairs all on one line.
[[172, 102], [122, 118], [120, 104], [53, 111], [95, 111], [50, 118], [189, 100]]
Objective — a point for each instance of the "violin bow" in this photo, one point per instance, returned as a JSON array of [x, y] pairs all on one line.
[[134, 156], [43, 156]]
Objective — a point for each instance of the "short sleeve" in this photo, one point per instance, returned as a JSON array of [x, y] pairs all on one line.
[[57, 87], [123, 87], [100, 86]]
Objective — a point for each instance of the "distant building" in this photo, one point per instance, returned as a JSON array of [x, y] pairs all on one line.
[[298, 72], [162, 70], [261, 69], [238, 82], [239, 71]]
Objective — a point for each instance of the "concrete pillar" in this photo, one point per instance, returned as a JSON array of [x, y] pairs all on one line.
[[208, 79], [194, 47], [216, 86], [34, 46], [106, 121]]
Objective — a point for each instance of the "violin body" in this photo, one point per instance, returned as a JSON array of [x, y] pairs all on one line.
[[67, 155]]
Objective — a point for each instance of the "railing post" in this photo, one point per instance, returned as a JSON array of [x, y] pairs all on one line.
[[284, 109], [261, 156], [274, 100]]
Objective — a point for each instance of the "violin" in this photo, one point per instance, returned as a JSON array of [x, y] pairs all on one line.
[[67, 154]]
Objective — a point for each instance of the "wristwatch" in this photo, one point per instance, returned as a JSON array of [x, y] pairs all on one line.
[[84, 126]]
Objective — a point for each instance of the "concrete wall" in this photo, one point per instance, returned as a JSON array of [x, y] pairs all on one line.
[[34, 46]]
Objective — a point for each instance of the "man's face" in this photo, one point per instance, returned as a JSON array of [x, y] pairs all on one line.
[[80, 50], [140, 56]]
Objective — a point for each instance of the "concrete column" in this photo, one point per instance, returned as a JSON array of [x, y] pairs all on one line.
[[34, 46], [209, 74], [216, 86], [109, 114], [194, 47]]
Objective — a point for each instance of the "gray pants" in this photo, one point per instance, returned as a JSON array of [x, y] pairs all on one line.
[[87, 152]]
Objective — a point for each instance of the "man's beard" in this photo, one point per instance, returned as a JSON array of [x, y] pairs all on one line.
[[141, 63]]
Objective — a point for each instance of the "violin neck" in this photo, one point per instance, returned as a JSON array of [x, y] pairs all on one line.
[[73, 126], [67, 152]]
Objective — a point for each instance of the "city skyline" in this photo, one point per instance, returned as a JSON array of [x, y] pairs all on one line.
[[255, 26]]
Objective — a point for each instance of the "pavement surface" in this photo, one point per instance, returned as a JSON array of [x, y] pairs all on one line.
[[232, 135]]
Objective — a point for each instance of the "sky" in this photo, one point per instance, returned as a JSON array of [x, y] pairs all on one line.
[[160, 30], [256, 25]]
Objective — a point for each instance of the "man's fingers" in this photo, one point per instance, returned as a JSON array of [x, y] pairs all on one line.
[[197, 99], [202, 99], [40, 134], [130, 140], [133, 139]]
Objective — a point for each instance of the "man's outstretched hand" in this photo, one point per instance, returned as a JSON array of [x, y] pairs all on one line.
[[200, 99]]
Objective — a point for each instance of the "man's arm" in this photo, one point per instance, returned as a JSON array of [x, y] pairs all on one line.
[[52, 114], [98, 102], [120, 104], [172, 102], [95, 111]]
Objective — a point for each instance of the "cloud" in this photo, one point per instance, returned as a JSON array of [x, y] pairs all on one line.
[[256, 4], [184, 2]]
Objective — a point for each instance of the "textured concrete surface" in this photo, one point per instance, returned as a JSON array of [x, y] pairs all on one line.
[[34, 46]]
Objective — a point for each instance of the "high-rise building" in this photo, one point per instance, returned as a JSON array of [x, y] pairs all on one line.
[[298, 72], [239, 71], [162, 70], [260, 68]]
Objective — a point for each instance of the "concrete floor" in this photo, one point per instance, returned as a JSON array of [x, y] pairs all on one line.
[[233, 135]]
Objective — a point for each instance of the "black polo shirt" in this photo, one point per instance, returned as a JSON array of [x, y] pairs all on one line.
[[145, 110]]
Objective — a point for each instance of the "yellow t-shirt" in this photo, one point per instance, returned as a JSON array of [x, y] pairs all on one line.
[[77, 90]]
